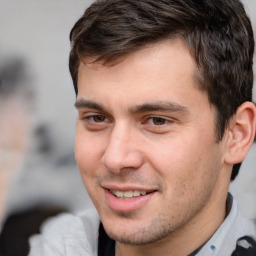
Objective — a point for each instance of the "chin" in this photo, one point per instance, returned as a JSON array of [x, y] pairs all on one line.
[[138, 234]]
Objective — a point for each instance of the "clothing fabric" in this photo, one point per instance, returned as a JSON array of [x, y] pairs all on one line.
[[68, 235], [20, 225], [79, 235]]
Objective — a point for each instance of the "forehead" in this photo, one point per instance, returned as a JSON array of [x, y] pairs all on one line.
[[165, 70]]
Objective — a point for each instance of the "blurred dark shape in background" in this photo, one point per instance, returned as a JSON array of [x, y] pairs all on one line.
[[16, 108], [40, 181], [21, 225], [42, 135], [14, 79]]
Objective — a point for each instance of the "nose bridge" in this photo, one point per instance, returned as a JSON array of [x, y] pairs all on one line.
[[122, 151], [120, 133]]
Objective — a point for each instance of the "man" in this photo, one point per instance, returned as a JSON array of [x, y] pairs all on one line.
[[165, 118]]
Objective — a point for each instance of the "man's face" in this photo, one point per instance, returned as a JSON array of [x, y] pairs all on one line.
[[146, 145]]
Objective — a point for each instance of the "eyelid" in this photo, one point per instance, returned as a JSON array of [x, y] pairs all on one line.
[[150, 127], [87, 114], [87, 118]]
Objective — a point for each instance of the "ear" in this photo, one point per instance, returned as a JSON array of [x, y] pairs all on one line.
[[241, 133]]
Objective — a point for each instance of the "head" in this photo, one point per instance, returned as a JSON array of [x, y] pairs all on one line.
[[218, 34], [158, 84]]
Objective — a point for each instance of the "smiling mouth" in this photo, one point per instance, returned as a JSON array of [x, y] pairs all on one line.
[[129, 194]]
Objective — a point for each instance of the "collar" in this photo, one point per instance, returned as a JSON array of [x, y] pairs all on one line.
[[235, 226]]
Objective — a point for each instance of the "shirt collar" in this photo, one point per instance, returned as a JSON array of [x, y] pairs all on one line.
[[235, 226]]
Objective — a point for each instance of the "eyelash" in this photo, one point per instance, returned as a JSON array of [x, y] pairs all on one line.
[[157, 118], [92, 118]]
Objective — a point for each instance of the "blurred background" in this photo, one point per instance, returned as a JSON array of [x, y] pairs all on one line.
[[37, 117]]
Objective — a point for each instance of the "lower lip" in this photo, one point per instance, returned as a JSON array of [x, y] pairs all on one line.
[[126, 205]]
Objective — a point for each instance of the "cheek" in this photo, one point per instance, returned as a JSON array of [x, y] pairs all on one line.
[[172, 155], [83, 153], [88, 163], [184, 163], [88, 152]]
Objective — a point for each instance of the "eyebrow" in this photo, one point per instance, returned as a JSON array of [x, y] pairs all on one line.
[[147, 107], [82, 103], [160, 106]]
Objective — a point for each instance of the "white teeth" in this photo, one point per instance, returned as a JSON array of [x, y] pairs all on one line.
[[119, 193], [136, 193], [143, 193], [128, 194]]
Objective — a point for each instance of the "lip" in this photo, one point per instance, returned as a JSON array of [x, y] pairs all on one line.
[[127, 205]]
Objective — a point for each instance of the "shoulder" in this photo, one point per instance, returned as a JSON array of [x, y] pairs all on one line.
[[67, 235]]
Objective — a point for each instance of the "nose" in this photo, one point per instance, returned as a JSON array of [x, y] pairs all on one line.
[[123, 150]]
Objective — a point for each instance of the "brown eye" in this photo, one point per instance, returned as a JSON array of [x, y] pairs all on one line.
[[98, 118], [158, 121]]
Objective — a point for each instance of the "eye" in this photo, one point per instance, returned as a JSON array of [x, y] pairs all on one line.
[[95, 121], [97, 118], [157, 121]]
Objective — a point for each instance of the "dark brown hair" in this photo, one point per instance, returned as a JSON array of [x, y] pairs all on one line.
[[218, 34]]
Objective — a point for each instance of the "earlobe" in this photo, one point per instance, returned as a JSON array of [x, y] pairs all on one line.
[[241, 133]]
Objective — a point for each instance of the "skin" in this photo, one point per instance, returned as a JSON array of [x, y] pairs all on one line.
[[143, 124]]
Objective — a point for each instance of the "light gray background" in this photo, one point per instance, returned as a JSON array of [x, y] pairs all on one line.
[[38, 31]]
